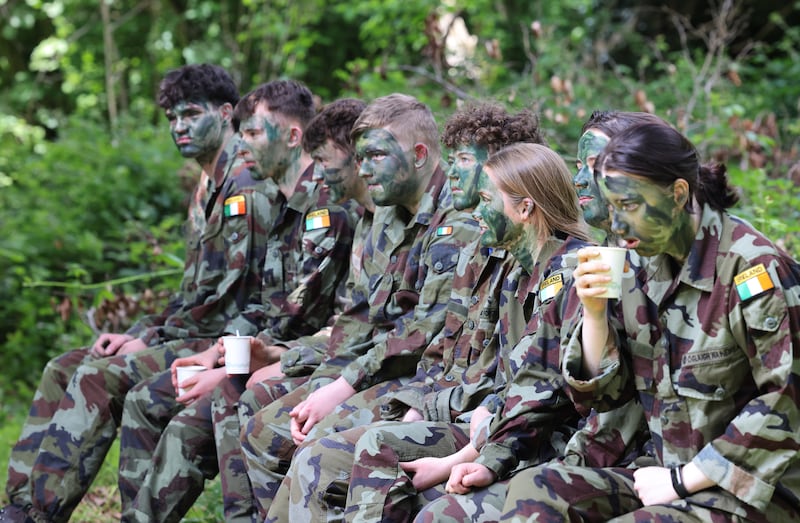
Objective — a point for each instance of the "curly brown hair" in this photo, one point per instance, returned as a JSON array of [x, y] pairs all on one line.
[[490, 125]]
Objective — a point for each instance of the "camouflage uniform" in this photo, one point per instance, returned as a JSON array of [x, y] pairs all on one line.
[[407, 270], [712, 361], [306, 260], [378, 490], [74, 416]]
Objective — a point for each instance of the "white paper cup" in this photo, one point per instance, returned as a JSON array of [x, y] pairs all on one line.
[[614, 257], [237, 354], [186, 372]]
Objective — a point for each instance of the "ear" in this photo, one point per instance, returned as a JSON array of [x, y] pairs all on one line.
[[526, 208], [226, 110], [680, 192], [420, 155], [295, 136]]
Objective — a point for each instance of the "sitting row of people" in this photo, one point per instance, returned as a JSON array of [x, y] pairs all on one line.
[[429, 341]]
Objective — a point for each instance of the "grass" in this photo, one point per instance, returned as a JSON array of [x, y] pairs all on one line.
[[102, 503]]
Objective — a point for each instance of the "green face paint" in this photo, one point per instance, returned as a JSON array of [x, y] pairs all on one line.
[[387, 169], [267, 150], [494, 214], [466, 162], [336, 169], [197, 128], [594, 206], [646, 216]]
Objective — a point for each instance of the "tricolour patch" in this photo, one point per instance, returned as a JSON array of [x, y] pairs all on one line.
[[318, 219], [550, 287], [752, 282], [235, 206], [444, 230]]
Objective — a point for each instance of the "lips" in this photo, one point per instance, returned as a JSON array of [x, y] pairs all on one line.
[[585, 200], [630, 243], [183, 140]]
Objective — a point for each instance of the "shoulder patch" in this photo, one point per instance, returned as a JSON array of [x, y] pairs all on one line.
[[444, 230], [550, 287], [752, 282], [235, 206], [318, 219]]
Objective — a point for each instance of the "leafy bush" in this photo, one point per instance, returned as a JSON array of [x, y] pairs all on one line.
[[78, 211]]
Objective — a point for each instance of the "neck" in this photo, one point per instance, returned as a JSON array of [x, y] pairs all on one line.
[[684, 234], [523, 249], [297, 165], [413, 205], [208, 162]]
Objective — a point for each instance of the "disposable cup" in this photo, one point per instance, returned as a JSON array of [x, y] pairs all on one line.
[[614, 257], [237, 354], [186, 372]]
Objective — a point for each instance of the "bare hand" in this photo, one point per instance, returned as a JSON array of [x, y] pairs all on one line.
[[427, 472], [201, 384], [653, 485], [108, 343], [466, 476], [316, 406], [412, 415], [265, 373], [207, 359], [589, 275], [129, 347]]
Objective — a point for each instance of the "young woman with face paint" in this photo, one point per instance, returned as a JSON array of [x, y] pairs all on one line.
[[706, 339], [529, 206]]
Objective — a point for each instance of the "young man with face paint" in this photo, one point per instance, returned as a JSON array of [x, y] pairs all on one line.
[[488, 286], [74, 418], [308, 249], [406, 266], [706, 341]]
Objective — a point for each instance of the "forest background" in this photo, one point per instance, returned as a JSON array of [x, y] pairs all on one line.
[[93, 192]]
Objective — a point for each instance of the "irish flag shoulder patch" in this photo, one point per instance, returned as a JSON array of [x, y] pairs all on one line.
[[752, 282], [235, 206], [550, 287], [318, 219], [444, 230]]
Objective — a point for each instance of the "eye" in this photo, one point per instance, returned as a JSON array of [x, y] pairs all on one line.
[[629, 206]]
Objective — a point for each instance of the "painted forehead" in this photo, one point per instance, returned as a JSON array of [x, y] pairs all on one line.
[[619, 183], [591, 144], [377, 135]]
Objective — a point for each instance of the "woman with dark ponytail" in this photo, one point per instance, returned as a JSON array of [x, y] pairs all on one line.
[[707, 338]]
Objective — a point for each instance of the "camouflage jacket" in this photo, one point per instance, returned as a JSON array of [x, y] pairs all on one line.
[[712, 351], [482, 298], [306, 353], [400, 290], [307, 258], [224, 256], [534, 417]]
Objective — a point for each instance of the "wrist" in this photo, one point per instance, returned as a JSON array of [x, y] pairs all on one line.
[[678, 485]]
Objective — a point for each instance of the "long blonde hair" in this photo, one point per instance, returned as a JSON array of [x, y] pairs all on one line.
[[529, 170]]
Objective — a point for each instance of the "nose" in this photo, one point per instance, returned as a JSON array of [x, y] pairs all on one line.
[[581, 180], [317, 175], [618, 226], [364, 168]]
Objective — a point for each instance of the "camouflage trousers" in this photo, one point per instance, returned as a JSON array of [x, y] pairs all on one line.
[[161, 477], [84, 424], [355, 474], [267, 441], [55, 378], [557, 492], [484, 504]]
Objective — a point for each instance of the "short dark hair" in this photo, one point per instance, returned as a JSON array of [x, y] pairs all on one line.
[[197, 82], [490, 125], [287, 97], [334, 123]]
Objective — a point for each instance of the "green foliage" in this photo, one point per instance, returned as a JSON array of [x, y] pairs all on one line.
[[78, 211]]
